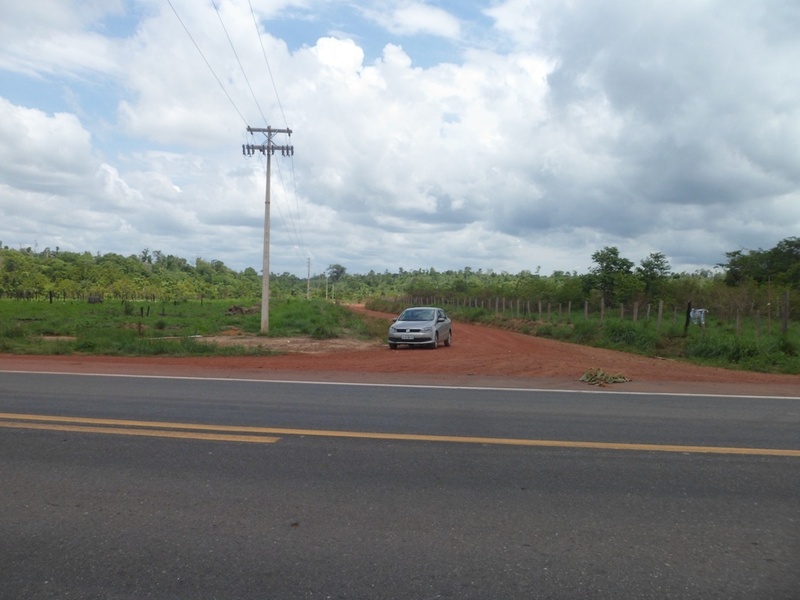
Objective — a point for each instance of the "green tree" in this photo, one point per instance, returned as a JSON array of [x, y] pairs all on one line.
[[780, 265], [611, 275], [653, 271], [335, 272]]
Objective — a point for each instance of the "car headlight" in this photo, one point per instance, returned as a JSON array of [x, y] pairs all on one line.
[[427, 329]]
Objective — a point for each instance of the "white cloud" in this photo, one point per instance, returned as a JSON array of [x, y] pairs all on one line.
[[48, 37], [42, 152], [414, 18], [560, 129]]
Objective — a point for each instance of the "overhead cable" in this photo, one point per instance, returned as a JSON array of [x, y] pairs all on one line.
[[207, 63]]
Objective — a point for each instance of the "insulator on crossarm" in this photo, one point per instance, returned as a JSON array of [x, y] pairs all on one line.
[[243, 152]]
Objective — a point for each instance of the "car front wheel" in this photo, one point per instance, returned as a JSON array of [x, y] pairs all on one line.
[[448, 341], [435, 343]]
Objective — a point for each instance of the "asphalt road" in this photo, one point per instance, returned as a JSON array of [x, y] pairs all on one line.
[[124, 487]]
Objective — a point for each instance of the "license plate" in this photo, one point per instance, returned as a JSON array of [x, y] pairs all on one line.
[[406, 337]]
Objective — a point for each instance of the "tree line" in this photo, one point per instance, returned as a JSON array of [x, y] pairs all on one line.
[[746, 281]]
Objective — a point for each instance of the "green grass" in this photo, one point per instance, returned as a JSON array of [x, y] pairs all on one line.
[[170, 329], [166, 329]]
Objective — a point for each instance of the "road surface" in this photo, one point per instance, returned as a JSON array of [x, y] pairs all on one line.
[[147, 487]]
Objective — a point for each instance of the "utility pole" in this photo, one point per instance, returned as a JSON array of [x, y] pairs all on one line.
[[268, 148]]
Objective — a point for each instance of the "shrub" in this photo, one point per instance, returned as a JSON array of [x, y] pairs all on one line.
[[618, 334], [586, 332]]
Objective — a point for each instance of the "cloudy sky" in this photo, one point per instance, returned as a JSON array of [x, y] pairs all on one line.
[[503, 135]]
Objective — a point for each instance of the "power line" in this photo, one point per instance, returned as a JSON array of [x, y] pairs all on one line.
[[298, 236], [266, 60], [255, 98], [207, 63]]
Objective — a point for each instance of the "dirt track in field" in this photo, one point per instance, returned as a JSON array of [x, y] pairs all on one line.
[[479, 356]]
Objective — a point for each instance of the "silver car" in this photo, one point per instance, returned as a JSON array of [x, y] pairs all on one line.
[[421, 326]]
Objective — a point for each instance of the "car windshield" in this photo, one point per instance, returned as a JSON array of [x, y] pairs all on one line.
[[417, 314]]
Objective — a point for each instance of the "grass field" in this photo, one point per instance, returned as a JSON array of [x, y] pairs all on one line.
[[129, 328], [143, 328]]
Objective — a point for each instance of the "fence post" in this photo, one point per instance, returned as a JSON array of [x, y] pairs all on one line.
[[635, 312], [688, 317], [660, 311], [785, 315]]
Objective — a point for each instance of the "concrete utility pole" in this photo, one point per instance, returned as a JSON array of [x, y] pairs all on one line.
[[268, 149]]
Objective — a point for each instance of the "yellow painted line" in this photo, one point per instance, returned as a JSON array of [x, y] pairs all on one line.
[[236, 433], [142, 428], [163, 433], [539, 443], [129, 423]]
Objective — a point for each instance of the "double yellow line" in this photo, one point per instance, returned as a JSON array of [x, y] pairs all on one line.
[[266, 435], [219, 433]]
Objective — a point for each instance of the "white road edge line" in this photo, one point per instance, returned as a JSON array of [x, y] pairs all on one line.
[[403, 385]]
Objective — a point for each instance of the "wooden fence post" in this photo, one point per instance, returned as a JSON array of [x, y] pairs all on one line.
[[785, 315], [688, 318]]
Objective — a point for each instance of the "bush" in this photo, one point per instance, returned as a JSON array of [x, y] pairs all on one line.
[[586, 332], [621, 334], [720, 349]]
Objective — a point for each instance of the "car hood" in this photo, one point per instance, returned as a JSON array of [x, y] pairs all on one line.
[[412, 324]]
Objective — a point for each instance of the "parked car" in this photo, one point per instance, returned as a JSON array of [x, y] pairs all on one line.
[[421, 326]]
